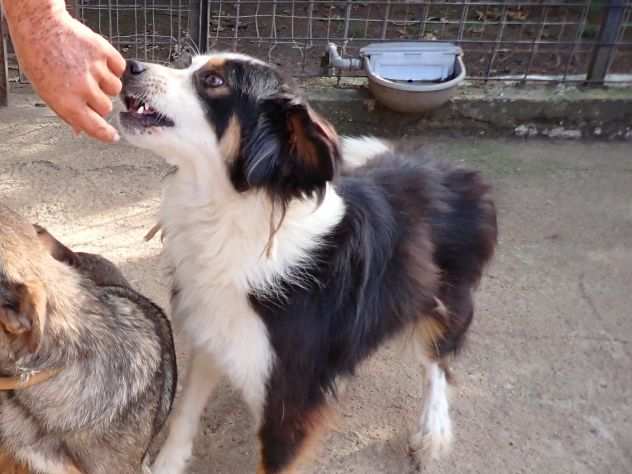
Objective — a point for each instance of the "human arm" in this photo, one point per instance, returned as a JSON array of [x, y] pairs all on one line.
[[73, 69]]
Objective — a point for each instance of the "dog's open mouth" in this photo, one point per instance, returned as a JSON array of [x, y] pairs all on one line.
[[141, 114]]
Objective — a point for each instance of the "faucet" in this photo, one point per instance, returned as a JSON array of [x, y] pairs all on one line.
[[332, 59]]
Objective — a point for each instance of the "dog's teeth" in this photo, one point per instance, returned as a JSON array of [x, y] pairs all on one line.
[[141, 109]]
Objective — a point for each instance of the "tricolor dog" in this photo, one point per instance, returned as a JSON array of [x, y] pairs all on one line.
[[292, 261]]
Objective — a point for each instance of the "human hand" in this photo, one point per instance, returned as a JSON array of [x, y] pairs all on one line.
[[73, 69]]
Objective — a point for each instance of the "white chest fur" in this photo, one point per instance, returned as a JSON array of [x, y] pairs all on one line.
[[217, 251]]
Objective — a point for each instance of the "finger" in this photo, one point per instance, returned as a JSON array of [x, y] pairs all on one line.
[[68, 115], [95, 126], [115, 61], [109, 83], [99, 101]]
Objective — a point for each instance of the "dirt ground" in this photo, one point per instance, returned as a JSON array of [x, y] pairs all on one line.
[[545, 383]]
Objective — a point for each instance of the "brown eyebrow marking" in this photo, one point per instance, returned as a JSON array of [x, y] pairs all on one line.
[[216, 62], [216, 65]]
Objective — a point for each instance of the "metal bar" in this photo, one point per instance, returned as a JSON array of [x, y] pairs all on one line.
[[463, 22], [613, 15], [153, 30], [528, 43], [423, 22], [145, 27], [237, 18], [205, 25], [199, 24], [578, 37], [4, 63], [136, 28], [497, 43], [387, 14], [347, 20], [194, 23], [110, 24], [310, 21], [293, 19], [455, 4], [118, 25], [537, 40], [273, 29]]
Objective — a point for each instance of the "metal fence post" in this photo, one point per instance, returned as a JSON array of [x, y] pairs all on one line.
[[4, 63], [199, 23], [603, 51]]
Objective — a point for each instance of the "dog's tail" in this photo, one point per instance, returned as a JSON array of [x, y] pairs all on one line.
[[466, 235]]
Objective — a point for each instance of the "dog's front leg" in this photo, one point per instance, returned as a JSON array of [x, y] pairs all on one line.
[[200, 382]]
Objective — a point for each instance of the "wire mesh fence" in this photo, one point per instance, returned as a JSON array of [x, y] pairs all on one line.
[[550, 40], [148, 30], [533, 39]]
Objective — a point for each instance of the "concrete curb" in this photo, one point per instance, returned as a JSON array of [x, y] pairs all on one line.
[[492, 109]]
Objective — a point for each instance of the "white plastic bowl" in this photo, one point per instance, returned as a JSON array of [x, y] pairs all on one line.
[[420, 76]]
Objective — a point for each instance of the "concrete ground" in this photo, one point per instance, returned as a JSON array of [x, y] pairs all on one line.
[[545, 383]]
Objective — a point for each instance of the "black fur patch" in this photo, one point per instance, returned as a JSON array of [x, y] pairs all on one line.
[[285, 147], [411, 233]]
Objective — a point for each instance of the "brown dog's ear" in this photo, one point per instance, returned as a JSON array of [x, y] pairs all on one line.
[[292, 151], [57, 250], [22, 313]]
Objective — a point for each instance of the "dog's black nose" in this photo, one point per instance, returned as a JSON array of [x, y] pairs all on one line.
[[134, 67]]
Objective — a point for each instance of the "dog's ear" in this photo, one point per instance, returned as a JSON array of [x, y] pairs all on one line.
[[58, 250], [292, 150], [22, 312]]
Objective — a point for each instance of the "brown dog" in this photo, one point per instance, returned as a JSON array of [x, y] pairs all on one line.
[[100, 270], [87, 365]]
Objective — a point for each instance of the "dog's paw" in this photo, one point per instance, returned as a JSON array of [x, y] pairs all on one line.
[[434, 438], [430, 446]]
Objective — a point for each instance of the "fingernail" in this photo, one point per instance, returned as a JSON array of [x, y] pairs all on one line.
[[116, 137]]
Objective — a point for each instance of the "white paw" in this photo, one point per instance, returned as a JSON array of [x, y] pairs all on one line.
[[434, 439], [171, 461], [431, 446]]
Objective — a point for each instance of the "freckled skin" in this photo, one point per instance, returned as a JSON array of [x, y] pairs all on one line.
[[74, 70]]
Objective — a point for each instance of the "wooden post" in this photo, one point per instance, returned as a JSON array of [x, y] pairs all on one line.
[[4, 63]]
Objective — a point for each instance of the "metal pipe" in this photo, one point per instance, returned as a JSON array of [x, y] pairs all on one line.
[[337, 61]]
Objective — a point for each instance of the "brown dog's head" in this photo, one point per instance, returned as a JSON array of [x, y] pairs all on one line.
[[23, 295]]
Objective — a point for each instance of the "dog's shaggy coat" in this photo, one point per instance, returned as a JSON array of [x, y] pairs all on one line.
[[287, 272], [113, 349]]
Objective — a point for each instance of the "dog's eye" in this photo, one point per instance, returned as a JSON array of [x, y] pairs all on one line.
[[213, 80], [10, 306]]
